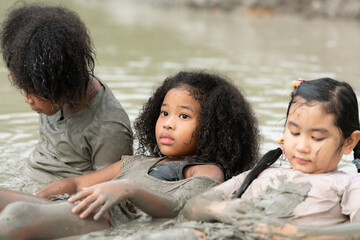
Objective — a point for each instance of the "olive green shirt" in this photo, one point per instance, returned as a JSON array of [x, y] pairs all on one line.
[[88, 140]]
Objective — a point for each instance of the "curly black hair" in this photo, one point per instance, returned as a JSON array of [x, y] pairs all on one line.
[[48, 51], [228, 130]]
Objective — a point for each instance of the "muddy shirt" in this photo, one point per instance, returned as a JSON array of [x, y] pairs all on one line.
[[169, 171], [328, 198], [172, 171], [136, 168], [88, 140]]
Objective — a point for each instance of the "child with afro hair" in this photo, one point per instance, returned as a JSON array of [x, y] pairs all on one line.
[[50, 57]]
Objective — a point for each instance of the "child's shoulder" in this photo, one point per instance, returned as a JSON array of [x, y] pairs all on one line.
[[207, 170], [106, 107]]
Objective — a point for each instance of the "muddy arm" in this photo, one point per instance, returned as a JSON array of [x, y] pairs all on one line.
[[73, 185], [204, 207], [156, 204], [280, 229], [67, 185], [339, 232], [105, 195]]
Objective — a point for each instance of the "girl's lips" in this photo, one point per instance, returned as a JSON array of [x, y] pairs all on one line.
[[301, 160], [166, 139]]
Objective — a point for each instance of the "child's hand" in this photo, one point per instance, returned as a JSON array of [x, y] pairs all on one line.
[[229, 211], [274, 230], [103, 196]]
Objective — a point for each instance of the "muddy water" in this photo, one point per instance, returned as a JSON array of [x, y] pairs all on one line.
[[138, 46]]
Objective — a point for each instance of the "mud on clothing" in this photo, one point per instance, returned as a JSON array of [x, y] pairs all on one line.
[[137, 168], [325, 199], [173, 171], [88, 140]]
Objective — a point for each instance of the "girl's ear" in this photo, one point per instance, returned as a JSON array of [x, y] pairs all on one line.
[[351, 142]]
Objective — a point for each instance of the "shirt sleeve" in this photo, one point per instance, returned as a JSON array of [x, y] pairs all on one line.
[[350, 200], [113, 140]]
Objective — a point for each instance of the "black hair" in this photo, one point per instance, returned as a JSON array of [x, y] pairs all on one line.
[[228, 131], [48, 52], [337, 98]]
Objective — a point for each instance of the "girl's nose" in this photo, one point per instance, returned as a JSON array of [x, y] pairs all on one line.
[[28, 99], [169, 124], [303, 145]]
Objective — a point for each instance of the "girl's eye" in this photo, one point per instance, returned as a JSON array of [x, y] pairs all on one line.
[[163, 113], [317, 139], [295, 133], [184, 116]]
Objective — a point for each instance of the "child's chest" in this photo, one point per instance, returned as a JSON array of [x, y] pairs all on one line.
[[324, 186], [298, 196]]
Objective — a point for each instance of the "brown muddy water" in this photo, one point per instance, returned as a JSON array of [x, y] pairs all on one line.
[[138, 46]]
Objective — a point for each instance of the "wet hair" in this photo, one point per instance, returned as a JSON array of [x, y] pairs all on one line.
[[48, 52], [337, 98], [227, 132]]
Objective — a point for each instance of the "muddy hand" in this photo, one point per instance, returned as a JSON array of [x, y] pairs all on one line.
[[229, 211], [275, 230], [101, 196]]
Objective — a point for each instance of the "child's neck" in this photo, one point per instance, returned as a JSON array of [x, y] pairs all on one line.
[[93, 86]]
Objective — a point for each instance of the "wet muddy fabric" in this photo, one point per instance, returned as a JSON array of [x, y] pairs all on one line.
[[171, 171], [88, 140], [328, 198], [136, 168]]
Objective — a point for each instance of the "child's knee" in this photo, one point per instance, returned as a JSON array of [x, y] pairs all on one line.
[[14, 218], [17, 209]]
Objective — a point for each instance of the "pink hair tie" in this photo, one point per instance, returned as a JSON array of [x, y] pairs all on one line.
[[297, 83]]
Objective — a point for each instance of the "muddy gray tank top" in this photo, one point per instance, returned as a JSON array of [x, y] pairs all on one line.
[[136, 168]]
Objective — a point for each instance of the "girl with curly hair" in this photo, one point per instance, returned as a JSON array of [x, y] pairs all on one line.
[[50, 57], [196, 130]]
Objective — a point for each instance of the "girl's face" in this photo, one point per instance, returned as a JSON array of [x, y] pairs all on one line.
[[312, 143], [40, 105], [176, 128]]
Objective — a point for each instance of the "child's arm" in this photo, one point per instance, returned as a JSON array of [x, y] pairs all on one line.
[[216, 204], [355, 216], [207, 170], [106, 195], [72, 185], [350, 202], [211, 207]]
